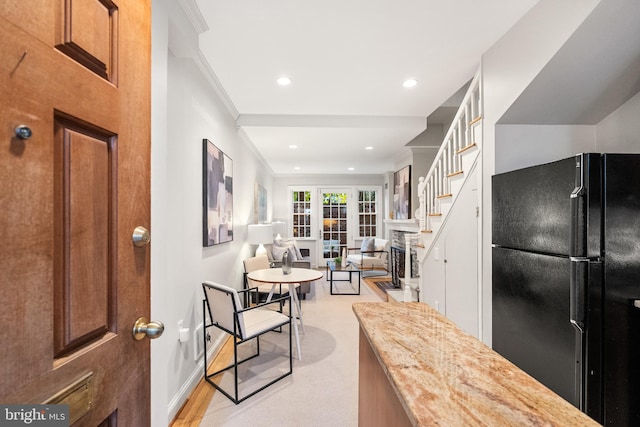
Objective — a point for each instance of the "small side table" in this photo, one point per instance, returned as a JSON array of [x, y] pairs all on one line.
[[332, 267]]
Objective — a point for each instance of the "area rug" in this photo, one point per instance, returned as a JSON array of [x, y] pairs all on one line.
[[374, 273], [384, 286], [323, 390]]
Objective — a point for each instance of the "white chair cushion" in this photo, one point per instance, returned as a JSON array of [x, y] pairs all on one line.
[[262, 320], [366, 261], [378, 259]]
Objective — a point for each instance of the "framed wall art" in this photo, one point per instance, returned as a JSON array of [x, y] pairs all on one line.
[[260, 205], [217, 195], [402, 193]]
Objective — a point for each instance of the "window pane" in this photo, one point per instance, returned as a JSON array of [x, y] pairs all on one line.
[[367, 213], [301, 208]]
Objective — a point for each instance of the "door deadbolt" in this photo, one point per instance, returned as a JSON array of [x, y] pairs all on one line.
[[143, 328], [23, 132], [141, 237]]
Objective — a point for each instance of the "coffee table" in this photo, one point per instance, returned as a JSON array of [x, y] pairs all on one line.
[[333, 267]]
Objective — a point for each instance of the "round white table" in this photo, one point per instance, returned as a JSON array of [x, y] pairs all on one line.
[[275, 276]]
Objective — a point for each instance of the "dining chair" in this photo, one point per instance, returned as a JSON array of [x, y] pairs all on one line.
[[225, 311]]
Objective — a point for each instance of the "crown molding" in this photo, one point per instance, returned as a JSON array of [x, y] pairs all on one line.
[[192, 11]]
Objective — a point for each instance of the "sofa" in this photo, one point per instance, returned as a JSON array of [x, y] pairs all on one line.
[[301, 259]]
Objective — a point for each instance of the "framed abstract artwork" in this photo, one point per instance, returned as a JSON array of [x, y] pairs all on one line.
[[260, 205], [402, 193], [217, 195]]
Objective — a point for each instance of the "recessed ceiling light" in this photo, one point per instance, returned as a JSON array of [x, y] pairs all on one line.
[[284, 81], [293, 146], [351, 169], [296, 168], [368, 148], [410, 83]]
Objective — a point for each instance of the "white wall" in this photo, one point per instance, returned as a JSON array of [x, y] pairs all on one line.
[[282, 182], [186, 109], [520, 146], [620, 131], [507, 68], [423, 158]]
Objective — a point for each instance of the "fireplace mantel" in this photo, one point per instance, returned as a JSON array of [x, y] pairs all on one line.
[[408, 225]]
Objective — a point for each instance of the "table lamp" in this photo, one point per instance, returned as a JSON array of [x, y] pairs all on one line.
[[279, 230], [259, 234]]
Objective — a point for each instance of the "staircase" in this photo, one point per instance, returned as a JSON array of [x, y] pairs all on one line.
[[452, 166]]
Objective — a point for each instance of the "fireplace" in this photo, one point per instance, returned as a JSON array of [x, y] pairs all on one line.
[[398, 258]]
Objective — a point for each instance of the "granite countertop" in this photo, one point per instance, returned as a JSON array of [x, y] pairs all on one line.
[[443, 376]]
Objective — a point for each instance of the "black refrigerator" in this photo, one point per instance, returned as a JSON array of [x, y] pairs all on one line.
[[566, 279]]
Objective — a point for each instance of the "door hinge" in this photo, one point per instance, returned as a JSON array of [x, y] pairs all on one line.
[[477, 211]]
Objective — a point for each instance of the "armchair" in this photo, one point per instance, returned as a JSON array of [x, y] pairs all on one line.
[[222, 305], [372, 257], [301, 259]]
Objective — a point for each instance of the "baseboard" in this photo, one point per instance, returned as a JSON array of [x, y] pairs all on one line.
[[180, 398]]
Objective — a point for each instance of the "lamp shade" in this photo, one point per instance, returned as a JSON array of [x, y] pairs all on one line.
[[279, 229], [259, 234]]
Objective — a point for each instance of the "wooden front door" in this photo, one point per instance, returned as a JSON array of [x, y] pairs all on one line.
[[76, 75]]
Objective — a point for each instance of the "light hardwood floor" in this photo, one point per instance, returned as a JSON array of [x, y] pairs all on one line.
[[192, 412]]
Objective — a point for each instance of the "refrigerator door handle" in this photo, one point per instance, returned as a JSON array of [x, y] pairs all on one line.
[[578, 293], [578, 246]]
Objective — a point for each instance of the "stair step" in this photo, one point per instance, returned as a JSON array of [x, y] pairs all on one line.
[[444, 196], [435, 214], [426, 231], [476, 120], [467, 148], [451, 175]]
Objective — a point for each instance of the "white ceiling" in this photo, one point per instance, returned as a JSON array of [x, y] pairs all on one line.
[[347, 60]]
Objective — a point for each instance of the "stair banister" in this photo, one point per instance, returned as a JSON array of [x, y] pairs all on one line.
[[447, 161]]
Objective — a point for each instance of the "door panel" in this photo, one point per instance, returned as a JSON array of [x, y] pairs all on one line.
[[90, 34], [621, 351], [335, 218], [461, 267], [531, 313], [531, 207], [72, 282], [84, 171]]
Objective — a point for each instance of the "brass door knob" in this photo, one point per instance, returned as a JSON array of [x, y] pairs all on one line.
[[141, 237], [143, 328]]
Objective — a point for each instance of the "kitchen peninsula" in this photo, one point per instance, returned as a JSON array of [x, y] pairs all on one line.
[[418, 369]]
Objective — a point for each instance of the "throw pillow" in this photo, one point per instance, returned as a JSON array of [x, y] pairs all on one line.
[[381, 245], [278, 251], [368, 244], [269, 248], [293, 248]]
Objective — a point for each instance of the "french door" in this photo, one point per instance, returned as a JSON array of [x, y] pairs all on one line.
[[347, 215], [335, 223], [328, 219]]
